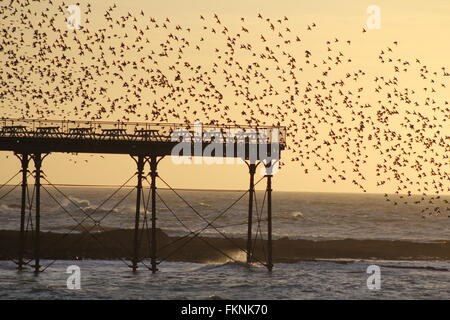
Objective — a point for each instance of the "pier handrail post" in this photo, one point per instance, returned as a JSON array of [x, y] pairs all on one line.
[[251, 190], [37, 158], [140, 170], [24, 159], [153, 174], [269, 216]]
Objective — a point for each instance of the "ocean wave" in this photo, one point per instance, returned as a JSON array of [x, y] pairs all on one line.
[[203, 204], [431, 268], [9, 208], [225, 265], [75, 204], [297, 215]]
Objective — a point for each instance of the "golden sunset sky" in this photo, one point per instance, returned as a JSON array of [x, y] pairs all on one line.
[[421, 29]]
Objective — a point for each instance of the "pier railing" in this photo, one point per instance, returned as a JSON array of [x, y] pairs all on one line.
[[138, 131]]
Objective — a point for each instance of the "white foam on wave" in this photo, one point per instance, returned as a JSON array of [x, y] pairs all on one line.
[[297, 215], [8, 209], [74, 203]]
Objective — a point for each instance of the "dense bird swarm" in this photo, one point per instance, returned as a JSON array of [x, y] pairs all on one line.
[[136, 67]]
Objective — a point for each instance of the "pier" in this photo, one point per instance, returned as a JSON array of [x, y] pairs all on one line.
[[147, 143]]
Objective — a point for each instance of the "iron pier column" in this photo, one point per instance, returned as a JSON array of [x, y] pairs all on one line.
[[140, 169], [251, 190], [24, 160], [37, 245], [153, 174], [269, 218]]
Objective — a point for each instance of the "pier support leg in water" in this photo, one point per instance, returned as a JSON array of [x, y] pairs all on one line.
[[140, 170], [37, 158], [269, 218], [251, 191], [153, 175], [24, 159]]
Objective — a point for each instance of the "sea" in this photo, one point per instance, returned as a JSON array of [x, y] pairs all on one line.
[[296, 215]]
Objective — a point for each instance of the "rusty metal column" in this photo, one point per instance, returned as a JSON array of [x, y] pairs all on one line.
[[269, 219], [251, 190], [24, 160], [37, 245], [140, 169], [153, 174]]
